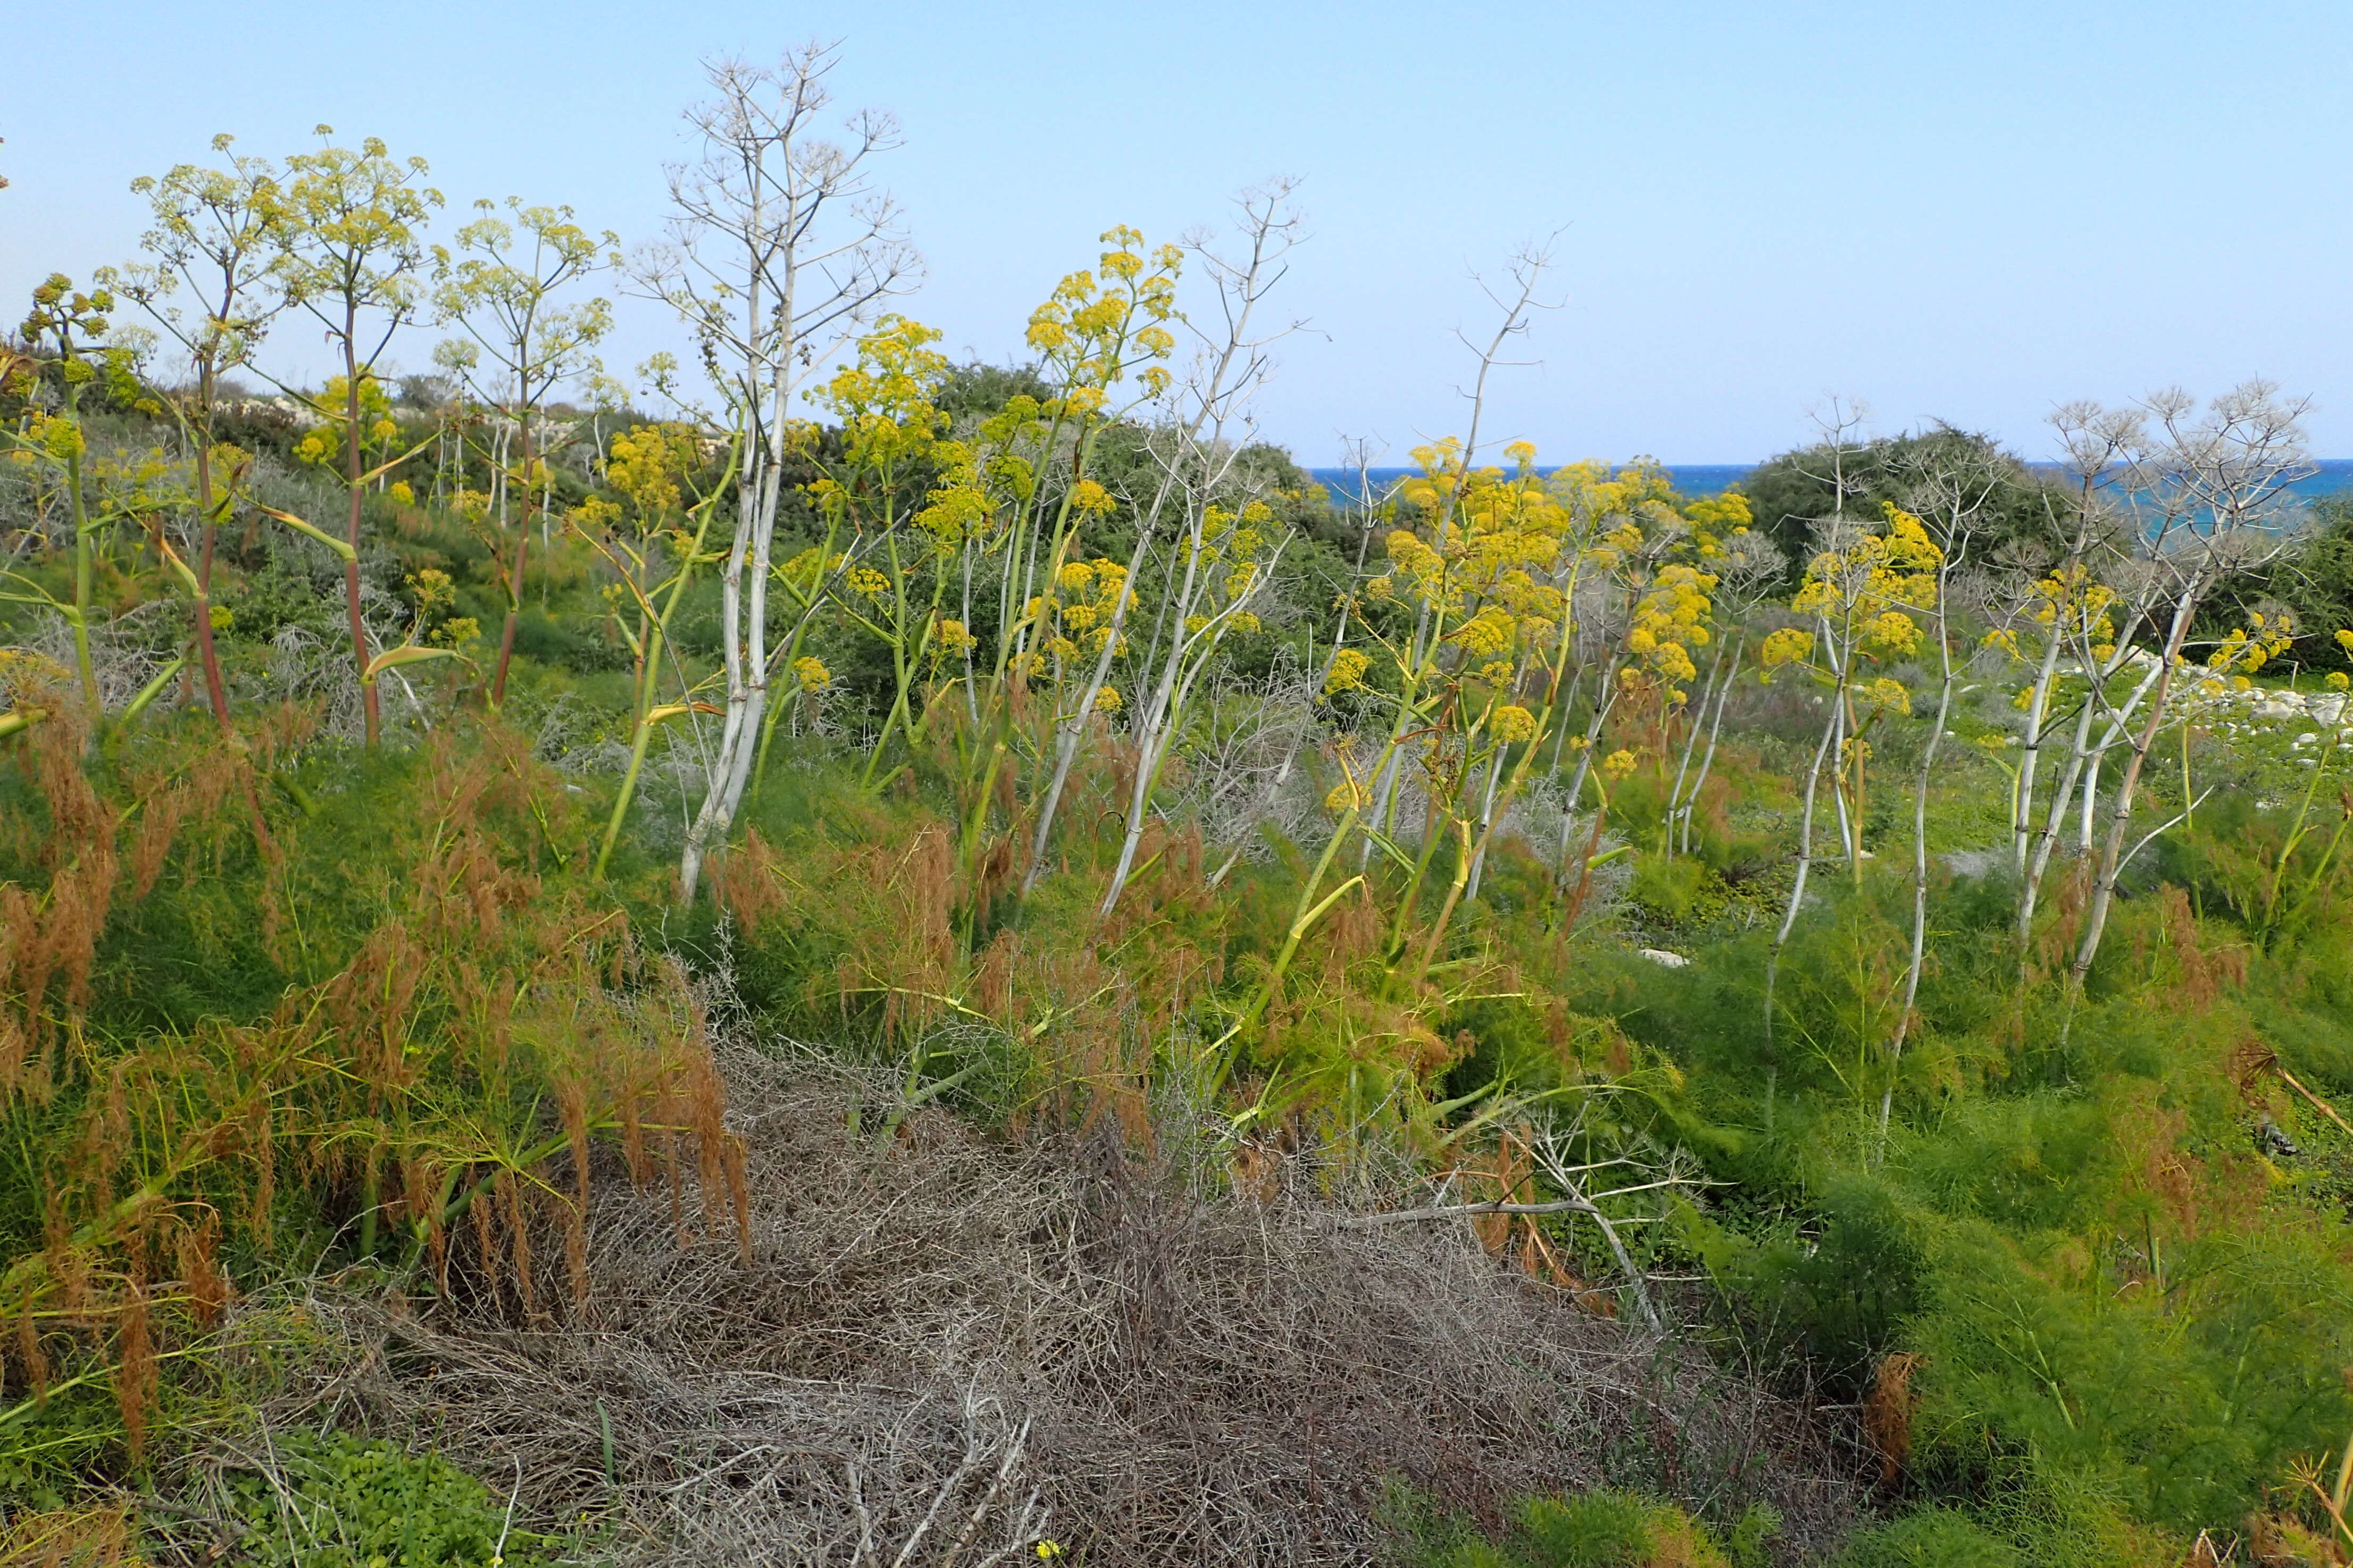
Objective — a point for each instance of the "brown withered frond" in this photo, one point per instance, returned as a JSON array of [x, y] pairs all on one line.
[[1887, 1413]]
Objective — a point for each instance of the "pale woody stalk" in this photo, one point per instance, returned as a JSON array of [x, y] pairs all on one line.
[[2096, 441], [1860, 590], [1950, 499], [651, 461], [1749, 563], [1516, 304], [780, 247], [1031, 460], [2082, 640], [2232, 470]]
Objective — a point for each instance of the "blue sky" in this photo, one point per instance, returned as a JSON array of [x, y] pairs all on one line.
[[1972, 212]]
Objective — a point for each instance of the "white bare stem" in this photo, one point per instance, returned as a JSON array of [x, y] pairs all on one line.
[[2220, 488], [780, 247]]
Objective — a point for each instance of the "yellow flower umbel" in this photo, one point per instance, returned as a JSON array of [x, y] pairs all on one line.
[[1510, 724], [1492, 564], [882, 399], [646, 464], [1075, 620], [1871, 581], [1098, 327], [323, 443], [1884, 696], [951, 638], [1347, 671], [1789, 645], [2244, 652], [1670, 619], [1861, 595]]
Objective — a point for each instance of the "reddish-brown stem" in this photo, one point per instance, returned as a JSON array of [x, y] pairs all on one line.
[[206, 654], [1585, 872], [514, 584], [351, 476]]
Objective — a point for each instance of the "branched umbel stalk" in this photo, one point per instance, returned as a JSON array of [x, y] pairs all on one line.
[[1510, 580], [1447, 466], [1221, 558], [1062, 619], [1749, 565], [649, 466], [502, 289], [1949, 496], [1861, 591], [2167, 506], [780, 247], [350, 253], [890, 423], [1467, 646], [1637, 581], [2076, 631], [69, 325], [219, 235], [2095, 442], [1371, 504], [1643, 585]]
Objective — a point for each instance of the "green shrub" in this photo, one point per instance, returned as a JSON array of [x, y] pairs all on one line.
[[1929, 1538], [340, 1502], [1603, 1529], [1677, 889]]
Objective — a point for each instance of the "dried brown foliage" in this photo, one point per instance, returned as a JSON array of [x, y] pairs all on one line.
[[2200, 971], [1887, 1413], [1179, 1377], [101, 1537]]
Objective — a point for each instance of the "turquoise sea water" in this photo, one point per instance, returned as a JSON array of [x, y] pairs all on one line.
[[1708, 479], [1691, 479]]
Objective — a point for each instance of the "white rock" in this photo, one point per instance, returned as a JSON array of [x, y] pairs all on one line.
[[2275, 709], [1661, 955], [2308, 738]]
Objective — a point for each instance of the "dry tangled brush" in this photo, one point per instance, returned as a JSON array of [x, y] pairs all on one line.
[[945, 1348]]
